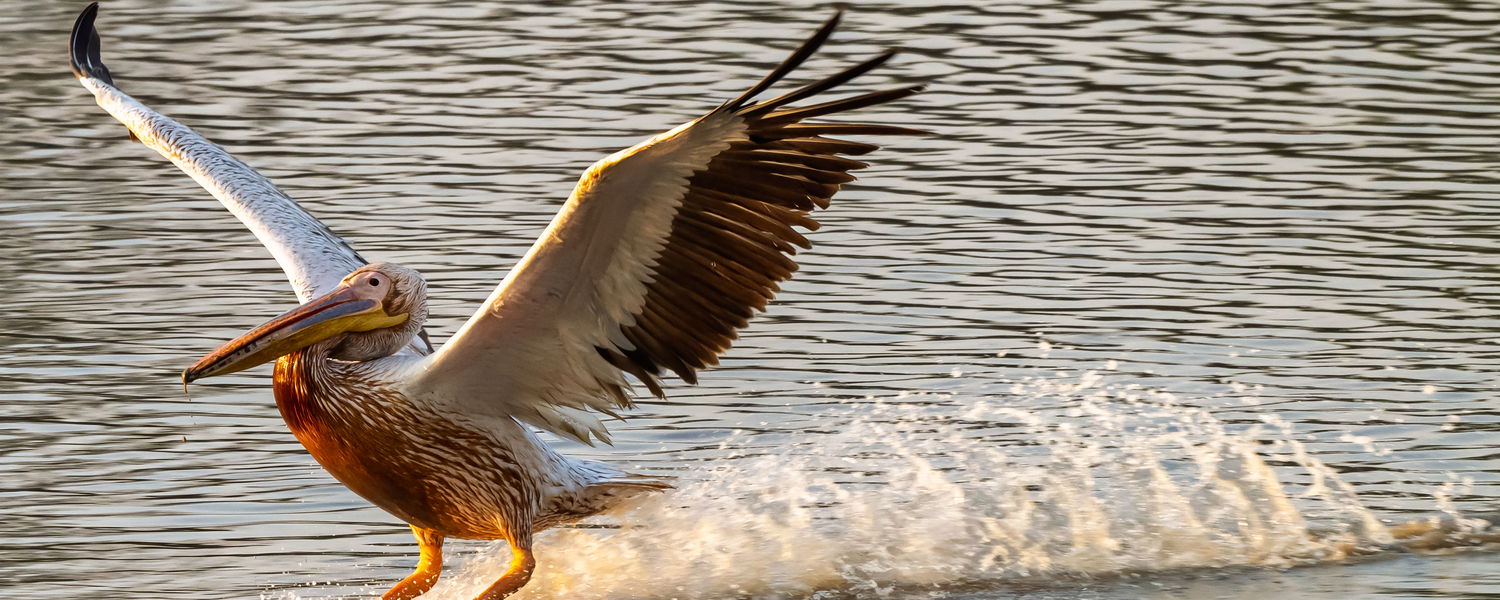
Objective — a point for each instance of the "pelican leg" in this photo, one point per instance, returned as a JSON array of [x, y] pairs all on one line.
[[428, 567], [521, 565]]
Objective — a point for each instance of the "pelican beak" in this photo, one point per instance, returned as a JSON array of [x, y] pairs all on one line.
[[348, 308]]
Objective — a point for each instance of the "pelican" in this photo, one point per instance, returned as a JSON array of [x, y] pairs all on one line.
[[661, 254]]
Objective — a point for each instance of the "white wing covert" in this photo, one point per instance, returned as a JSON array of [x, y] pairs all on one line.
[[315, 259], [660, 255]]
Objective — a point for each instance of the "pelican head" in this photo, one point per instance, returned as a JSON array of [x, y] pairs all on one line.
[[375, 311]]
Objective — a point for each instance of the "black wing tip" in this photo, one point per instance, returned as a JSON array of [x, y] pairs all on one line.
[[823, 85], [915, 88], [83, 47], [832, 23], [838, 15], [808, 47], [742, 105]]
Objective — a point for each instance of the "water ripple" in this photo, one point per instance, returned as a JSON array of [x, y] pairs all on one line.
[[1273, 208]]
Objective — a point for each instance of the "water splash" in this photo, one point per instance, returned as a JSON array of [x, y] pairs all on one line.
[[1035, 480]]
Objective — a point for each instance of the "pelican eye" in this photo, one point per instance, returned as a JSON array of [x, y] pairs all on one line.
[[374, 281]]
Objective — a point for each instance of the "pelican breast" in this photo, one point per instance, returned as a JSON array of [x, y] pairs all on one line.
[[410, 459]]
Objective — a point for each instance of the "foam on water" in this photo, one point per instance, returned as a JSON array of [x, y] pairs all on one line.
[[1029, 481]]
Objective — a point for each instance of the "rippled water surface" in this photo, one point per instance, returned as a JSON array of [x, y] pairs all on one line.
[[1184, 300]]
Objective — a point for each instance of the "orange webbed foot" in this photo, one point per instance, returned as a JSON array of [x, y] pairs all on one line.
[[521, 565], [429, 567]]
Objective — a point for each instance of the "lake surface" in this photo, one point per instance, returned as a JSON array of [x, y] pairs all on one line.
[[1185, 299]]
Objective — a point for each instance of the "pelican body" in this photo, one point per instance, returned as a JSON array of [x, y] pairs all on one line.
[[662, 253]]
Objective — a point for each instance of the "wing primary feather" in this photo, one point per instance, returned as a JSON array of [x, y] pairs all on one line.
[[84, 53], [83, 47], [820, 145], [798, 130], [792, 62], [818, 87], [843, 104]]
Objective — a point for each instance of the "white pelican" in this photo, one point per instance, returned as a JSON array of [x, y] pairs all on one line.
[[662, 252]]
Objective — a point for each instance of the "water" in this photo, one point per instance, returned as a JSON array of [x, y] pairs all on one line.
[[1186, 300]]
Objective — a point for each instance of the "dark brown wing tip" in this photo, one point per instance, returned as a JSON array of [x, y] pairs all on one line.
[[788, 116], [807, 49], [821, 86], [83, 47]]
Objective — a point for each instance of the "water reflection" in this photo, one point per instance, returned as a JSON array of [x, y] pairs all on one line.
[[1289, 202]]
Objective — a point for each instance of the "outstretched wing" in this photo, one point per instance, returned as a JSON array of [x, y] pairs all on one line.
[[313, 257], [662, 253]]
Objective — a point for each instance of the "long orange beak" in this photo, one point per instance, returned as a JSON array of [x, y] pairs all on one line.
[[341, 310]]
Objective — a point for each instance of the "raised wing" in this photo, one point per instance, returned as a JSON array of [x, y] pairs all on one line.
[[313, 257], [662, 253]]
